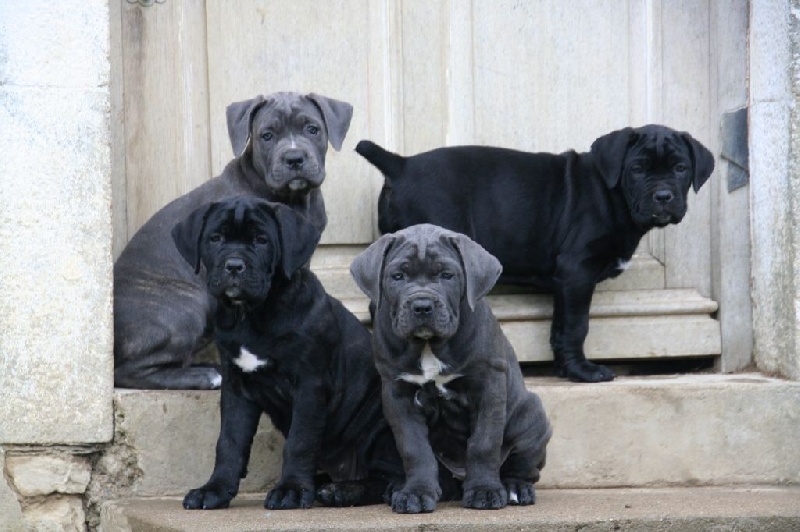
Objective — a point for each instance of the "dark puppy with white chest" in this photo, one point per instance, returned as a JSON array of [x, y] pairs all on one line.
[[292, 351], [453, 391], [161, 308], [560, 223]]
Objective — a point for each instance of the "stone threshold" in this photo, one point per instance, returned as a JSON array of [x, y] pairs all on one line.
[[751, 508]]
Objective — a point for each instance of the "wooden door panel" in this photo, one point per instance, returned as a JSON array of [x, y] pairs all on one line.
[[540, 76]]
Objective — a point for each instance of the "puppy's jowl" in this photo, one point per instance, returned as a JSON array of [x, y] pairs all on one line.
[[453, 391], [161, 308], [560, 223], [291, 351]]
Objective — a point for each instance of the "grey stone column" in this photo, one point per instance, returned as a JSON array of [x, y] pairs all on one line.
[[772, 215], [56, 366]]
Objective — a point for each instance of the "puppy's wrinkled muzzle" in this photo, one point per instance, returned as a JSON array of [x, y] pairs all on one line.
[[424, 316]]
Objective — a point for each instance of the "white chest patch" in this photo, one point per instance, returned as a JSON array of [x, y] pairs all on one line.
[[623, 264], [248, 361], [432, 369]]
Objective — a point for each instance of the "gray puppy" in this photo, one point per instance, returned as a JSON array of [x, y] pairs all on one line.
[[161, 307], [452, 385]]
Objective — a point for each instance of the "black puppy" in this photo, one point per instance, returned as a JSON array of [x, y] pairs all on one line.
[[292, 351], [560, 223]]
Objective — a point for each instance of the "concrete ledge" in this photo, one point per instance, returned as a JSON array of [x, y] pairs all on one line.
[[167, 441], [682, 430], [637, 432], [646, 510]]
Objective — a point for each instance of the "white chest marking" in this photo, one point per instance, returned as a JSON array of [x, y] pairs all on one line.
[[623, 264], [432, 369], [248, 361]]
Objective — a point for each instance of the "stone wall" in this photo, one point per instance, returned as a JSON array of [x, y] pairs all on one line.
[[791, 363], [56, 385], [774, 188]]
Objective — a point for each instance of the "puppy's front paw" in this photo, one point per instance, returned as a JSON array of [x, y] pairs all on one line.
[[353, 492], [586, 371], [485, 498], [289, 496], [414, 501], [209, 497], [520, 492], [339, 494], [392, 487]]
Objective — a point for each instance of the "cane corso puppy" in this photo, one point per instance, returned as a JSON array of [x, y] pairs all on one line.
[[290, 350], [452, 386], [560, 223], [161, 309]]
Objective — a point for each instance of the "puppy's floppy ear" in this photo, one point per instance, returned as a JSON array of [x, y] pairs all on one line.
[[608, 153], [298, 237], [337, 117], [367, 267], [481, 268], [702, 160], [240, 119], [188, 234]]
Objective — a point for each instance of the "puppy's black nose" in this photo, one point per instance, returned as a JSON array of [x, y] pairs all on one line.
[[422, 306], [294, 159], [663, 196], [234, 266]]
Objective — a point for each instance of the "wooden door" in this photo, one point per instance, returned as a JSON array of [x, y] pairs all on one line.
[[542, 75]]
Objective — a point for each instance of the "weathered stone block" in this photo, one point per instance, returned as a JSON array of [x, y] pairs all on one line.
[[43, 475], [172, 435], [56, 515], [10, 511]]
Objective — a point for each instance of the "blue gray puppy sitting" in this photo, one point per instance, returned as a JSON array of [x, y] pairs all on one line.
[[453, 391], [161, 308]]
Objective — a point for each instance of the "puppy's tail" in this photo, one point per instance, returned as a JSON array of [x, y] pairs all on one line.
[[390, 164]]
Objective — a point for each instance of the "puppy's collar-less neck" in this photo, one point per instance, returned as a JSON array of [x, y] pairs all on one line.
[[432, 370]]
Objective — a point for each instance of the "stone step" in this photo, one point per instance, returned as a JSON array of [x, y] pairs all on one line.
[[607, 304], [630, 324], [633, 316], [755, 509], [332, 266], [697, 430]]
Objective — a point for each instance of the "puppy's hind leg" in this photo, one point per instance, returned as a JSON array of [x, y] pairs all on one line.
[[192, 378], [157, 370], [150, 355], [527, 433], [571, 301], [518, 474], [385, 474]]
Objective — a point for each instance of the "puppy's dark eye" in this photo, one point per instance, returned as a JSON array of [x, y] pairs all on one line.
[[447, 275], [680, 168], [267, 136], [215, 238], [260, 240], [637, 169], [312, 129], [398, 276]]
